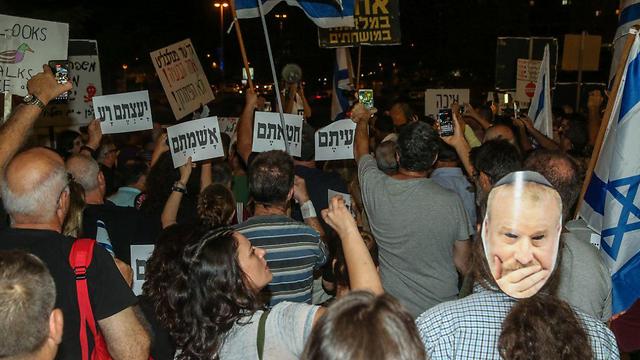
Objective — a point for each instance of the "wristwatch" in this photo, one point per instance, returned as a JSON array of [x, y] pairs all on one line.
[[33, 100]]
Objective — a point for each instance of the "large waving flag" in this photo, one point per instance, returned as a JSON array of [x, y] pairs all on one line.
[[342, 83], [629, 16], [611, 204], [540, 108], [324, 13]]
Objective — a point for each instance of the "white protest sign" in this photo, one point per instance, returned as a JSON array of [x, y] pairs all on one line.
[[25, 45], [335, 141], [229, 126], [182, 78], [345, 197], [139, 256], [125, 112], [526, 78], [267, 132], [84, 73], [199, 139], [436, 99]]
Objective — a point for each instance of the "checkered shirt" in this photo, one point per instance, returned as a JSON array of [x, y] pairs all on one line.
[[469, 328]]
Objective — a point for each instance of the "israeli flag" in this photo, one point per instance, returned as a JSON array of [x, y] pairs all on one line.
[[540, 108], [342, 83], [629, 16], [611, 204], [324, 13]]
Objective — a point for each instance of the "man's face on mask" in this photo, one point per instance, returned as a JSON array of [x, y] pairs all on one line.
[[522, 228]]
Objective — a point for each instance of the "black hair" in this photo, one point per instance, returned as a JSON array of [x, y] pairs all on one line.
[[384, 123], [446, 152], [417, 146], [64, 142], [222, 173], [308, 149], [496, 158], [271, 177], [131, 172]]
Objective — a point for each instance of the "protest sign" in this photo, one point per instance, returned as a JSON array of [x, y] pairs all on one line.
[[26, 44], [345, 197], [436, 99], [526, 78], [267, 132], [377, 22], [199, 139], [125, 112], [84, 73], [182, 78], [335, 141], [139, 256], [229, 126]]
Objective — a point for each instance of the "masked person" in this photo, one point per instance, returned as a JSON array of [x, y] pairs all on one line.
[[514, 312]]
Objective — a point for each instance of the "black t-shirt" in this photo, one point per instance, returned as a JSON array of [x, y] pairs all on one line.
[[4, 217], [162, 347], [122, 224], [108, 292]]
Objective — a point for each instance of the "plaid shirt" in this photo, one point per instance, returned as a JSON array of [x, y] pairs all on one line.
[[469, 328]]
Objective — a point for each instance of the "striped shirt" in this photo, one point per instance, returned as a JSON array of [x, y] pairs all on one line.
[[294, 251], [469, 328]]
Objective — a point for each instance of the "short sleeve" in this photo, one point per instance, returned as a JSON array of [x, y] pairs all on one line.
[[436, 344], [368, 175], [108, 291], [464, 229], [292, 322]]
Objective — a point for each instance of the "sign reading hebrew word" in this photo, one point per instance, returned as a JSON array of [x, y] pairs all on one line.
[[139, 256], [126, 112], [268, 132], [377, 22], [26, 44], [436, 99], [335, 141], [199, 139], [182, 78]]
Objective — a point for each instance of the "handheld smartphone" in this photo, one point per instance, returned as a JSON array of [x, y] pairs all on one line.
[[445, 120], [516, 109], [60, 69], [462, 109], [365, 97]]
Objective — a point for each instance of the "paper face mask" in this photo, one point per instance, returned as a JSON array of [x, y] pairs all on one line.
[[521, 232]]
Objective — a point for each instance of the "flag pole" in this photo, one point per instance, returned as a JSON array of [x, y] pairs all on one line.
[[243, 51], [359, 68], [275, 77], [605, 118]]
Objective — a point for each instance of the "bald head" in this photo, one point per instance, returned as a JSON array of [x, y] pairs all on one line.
[[500, 131], [32, 184]]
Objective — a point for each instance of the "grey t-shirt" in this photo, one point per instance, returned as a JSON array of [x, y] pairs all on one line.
[[287, 328], [585, 282], [415, 223]]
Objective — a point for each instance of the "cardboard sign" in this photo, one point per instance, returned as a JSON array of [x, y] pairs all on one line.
[[436, 99], [268, 132], [199, 139], [139, 256], [126, 112], [526, 78], [590, 45], [376, 23], [335, 141], [84, 73], [182, 78], [26, 44]]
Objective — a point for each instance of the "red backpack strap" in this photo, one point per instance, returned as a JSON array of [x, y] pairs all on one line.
[[79, 259]]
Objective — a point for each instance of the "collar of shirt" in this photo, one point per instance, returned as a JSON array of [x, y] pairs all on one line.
[[447, 171]]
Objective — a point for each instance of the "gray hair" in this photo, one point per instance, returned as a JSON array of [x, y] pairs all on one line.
[[41, 201], [84, 170], [386, 157]]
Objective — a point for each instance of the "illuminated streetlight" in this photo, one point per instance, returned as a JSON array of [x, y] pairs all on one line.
[[125, 66], [221, 6]]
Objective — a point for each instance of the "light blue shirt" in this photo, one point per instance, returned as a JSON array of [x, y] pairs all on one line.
[[125, 197], [453, 179]]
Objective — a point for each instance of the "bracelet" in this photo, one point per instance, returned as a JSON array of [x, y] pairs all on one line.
[[179, 187], [307, 210], [93, 152]]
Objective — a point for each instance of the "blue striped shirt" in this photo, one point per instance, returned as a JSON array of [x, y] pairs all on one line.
[[294, 251]]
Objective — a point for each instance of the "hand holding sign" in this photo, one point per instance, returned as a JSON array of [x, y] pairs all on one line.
[[45, 87]]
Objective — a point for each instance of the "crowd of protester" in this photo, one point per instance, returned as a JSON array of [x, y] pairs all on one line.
[[253, 260]]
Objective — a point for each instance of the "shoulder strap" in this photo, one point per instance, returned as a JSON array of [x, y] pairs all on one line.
[[261, 331], [79, 259]]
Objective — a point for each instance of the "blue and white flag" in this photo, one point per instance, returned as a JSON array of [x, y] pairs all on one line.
[[540, 108], [342, 83], [629, 16], [324, 13], [611, 204]]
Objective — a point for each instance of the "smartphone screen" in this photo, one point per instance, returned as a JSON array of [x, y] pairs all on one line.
[[60, 69], [445, 120], [365, 97]]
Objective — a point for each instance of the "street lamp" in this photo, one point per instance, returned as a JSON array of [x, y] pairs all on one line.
[[221, 6]]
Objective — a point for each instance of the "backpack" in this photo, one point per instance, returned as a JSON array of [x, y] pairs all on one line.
[[80, 259]]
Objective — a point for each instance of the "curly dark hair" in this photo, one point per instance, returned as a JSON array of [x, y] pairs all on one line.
[[417, 146], [216, 205], [209, 295]]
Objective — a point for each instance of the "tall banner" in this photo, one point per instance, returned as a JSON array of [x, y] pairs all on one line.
[[377, 22], [182, 77], [84, 73], [25, 45]]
